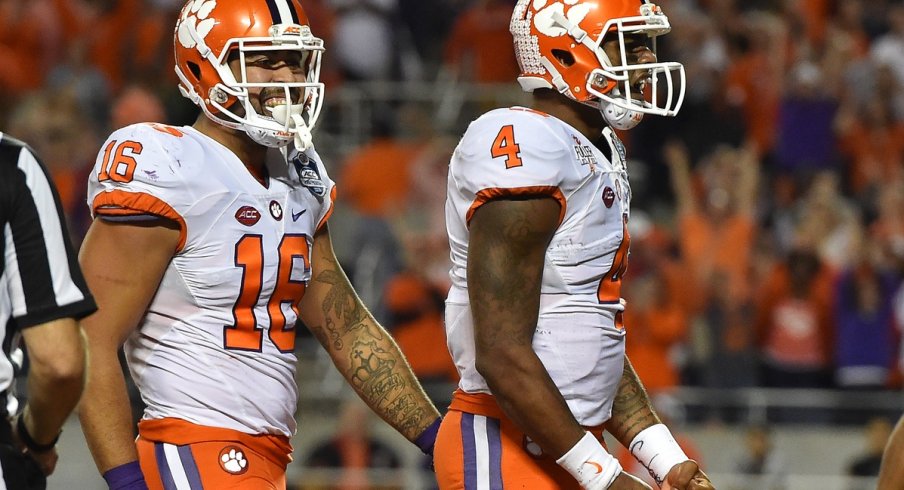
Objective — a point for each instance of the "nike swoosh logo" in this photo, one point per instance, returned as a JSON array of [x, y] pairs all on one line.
[[599, 467], [297, 215]]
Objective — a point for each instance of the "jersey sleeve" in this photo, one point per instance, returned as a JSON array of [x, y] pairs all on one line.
[[510, 153], [137, 176]]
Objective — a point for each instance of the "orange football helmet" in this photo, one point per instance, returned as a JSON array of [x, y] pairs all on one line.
[[209, 33], [559, 45]]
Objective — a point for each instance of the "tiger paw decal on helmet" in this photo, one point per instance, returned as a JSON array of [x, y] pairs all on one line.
[[545, 23], [196, 14]]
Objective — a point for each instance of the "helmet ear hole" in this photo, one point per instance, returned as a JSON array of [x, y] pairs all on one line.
[[565, 58], [194, 69]]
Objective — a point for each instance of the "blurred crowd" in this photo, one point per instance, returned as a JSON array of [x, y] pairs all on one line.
[[768, 219]]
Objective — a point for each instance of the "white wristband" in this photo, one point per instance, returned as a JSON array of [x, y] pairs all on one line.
[[657, 451], [590, 464]]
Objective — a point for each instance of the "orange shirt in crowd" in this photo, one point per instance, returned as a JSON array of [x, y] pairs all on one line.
[[30, 44], [651, 334], [707, 246], [375, 178], [875, 155], [420, 334], [815, 16], [796, 331], [752, 83], [481, 36]]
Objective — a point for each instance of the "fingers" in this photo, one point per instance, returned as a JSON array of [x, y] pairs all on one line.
[[687, 476], [700, 482]]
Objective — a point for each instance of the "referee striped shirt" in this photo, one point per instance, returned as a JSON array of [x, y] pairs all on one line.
[[40, 280]]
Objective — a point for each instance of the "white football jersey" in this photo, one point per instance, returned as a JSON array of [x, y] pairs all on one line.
[[216, 345], [579, 335]]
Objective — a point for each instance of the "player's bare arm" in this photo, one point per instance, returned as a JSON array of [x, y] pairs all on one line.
[[360, 347], [632, 412], [508, 241], [123, 265]]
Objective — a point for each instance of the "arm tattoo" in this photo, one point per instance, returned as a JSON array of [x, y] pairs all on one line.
[[503, 282], [372, 363], [631, 410], [383, 383], [340, 307]]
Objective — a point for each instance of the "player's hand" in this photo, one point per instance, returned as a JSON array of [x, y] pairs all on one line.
[[47, 460], [627, 481], [687, 476]]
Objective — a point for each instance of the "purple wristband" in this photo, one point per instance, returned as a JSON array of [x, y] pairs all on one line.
[[126, 477], [427, 439]]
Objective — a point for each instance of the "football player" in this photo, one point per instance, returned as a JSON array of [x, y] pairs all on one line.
[[537, 214], [204, 254]]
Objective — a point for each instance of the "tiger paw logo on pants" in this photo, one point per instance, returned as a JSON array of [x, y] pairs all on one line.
[[197, 15], [232, 460]]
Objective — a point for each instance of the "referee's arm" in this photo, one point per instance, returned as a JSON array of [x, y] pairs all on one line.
[[47, 295]]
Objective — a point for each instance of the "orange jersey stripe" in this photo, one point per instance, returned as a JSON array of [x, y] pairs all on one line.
[[123, 203], [328, 211], [486, 195]]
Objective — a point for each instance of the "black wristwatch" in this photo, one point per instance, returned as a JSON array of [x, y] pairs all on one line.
[[29, 442]]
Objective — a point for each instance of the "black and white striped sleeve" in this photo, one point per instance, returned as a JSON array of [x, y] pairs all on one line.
[[39, 266]]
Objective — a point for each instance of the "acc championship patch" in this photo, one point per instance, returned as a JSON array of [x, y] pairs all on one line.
[[308, 175]]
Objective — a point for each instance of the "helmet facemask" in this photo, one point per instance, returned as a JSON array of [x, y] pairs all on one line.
[[228, 102], [622, 103]]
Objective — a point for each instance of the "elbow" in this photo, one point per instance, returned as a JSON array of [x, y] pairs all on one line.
[[65, 371]]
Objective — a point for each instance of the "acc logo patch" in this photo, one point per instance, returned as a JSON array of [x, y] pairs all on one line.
[[247, 216], [232, 460]]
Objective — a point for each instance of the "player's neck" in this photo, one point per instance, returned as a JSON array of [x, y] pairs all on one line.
[[587, 120], [253, 155]]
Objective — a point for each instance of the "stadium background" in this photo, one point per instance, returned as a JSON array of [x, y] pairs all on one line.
[[764, 291]]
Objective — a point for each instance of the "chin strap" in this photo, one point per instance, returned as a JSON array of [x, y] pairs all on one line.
[[303, 137]]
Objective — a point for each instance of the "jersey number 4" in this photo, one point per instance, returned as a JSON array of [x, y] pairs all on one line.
[[245, 334], [504, 146]]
